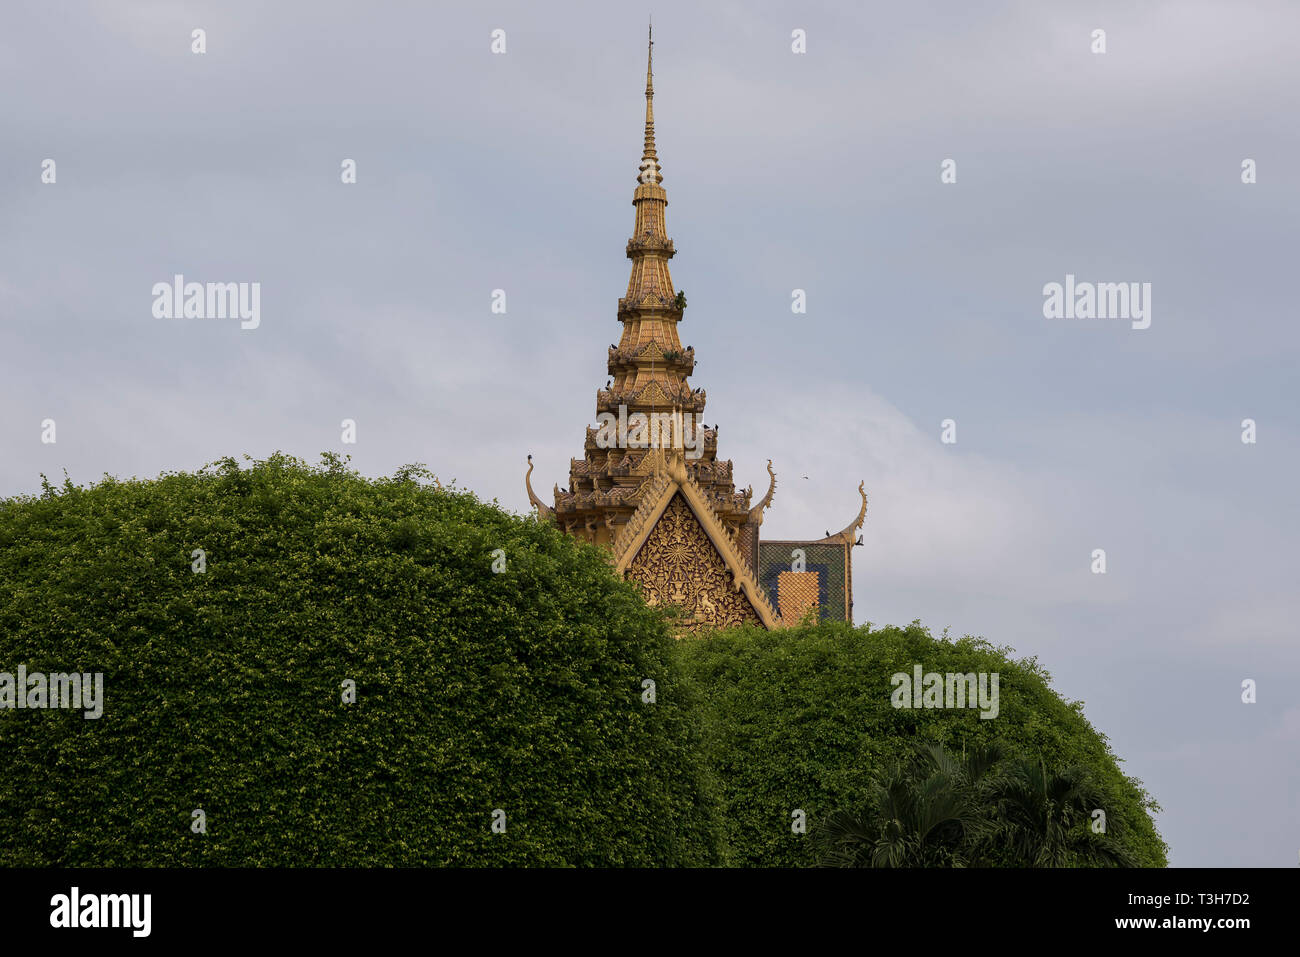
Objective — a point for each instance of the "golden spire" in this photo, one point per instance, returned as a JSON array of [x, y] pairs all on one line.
[[650, 172], [649, 248]]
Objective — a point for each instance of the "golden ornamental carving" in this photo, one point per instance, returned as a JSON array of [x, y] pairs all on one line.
[[678, 565]]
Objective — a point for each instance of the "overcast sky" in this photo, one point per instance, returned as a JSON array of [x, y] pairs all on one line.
[[817, 171]]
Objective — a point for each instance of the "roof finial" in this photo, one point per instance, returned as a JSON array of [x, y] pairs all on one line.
[[650, 172]]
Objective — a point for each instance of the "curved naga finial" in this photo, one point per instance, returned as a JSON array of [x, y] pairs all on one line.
[[543, 510], [846, 537], [756, 513]]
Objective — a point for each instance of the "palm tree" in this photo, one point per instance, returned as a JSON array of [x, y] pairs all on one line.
[[926, 813], [972, 809], [1042, 818]]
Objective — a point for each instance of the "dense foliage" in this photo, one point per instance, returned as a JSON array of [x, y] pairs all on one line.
[[475, 690], [802, 720], [974, 809], [498, 664]]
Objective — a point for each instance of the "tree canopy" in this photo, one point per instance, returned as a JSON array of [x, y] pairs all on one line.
[[803, 720], [518, 690], [331, 670]]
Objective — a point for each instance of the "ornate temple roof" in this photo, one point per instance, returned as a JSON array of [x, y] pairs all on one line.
[[672, 521], [673, 480]]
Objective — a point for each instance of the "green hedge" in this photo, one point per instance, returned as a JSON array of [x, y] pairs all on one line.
[[476, 691], [800, 719]]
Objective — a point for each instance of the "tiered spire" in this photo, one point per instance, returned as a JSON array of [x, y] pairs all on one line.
[[650, 367], [650, 284], [649, 371], [650, 486]]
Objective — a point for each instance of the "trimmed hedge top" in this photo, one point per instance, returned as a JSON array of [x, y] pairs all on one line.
[[518, 690], [498, 668], [801, 719]]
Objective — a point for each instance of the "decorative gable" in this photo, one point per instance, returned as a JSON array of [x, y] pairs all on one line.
[[653, 395], [678, 565]]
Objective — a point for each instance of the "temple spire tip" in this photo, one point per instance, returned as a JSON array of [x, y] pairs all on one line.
[[649, 169]]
